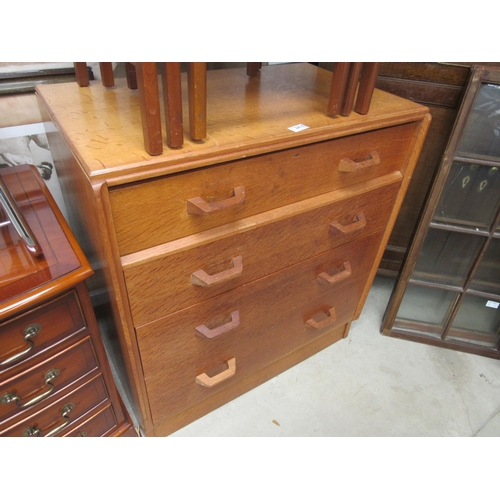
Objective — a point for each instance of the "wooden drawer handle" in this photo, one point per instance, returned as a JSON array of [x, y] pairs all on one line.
[[358, 223], [198, 206], [11, 397], [344, 273], [348, 165], [210, 334], [201, 278], [65, 414], [207, 381], [28, 333], [318, 325]]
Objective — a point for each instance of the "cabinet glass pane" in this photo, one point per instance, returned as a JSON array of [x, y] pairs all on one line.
[[478, 321], [487, 276], [481, 135], [470, 196], [447, 257], [427, 306]]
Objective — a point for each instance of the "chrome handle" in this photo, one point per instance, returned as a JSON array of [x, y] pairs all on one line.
[[17, 219], [11, 397], [34, 431], [29, 332]]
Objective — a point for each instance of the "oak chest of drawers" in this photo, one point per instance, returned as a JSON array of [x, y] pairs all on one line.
[[55, 379], [228, 261]]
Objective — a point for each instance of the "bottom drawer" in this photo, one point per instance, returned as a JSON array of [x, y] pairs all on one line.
[[201, 350], [61, 415], [97, 425]]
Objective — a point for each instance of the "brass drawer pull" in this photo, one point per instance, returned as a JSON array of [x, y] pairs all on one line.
[[201, 278], [210, 334], [348, 165], [29, 332], [318, 325], [10, 397], [344, 273], [198, 206], [358, 223], [65, 414], [207, 381]]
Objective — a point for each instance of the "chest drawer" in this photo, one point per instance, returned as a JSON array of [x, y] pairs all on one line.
[[32, 333], [98, 425], [189, 271], [149, 213], [34, 387], [255, 324], [61, 415]]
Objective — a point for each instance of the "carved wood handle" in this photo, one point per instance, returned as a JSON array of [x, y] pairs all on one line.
[[358, 223], [207, 381], [344, 273], [348, 165], [215, 332], [318, 325], [201, 278], [198, 206]]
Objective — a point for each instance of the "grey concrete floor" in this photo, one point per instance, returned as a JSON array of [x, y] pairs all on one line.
[[368, 385]]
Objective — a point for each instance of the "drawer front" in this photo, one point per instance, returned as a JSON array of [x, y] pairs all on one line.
[[31, 333], [255, 324], [179, 279], [62, 415], [97, 425], [154, 212], [33, 388]]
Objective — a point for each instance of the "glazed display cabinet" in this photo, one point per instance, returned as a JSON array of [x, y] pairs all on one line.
[[448, 293]]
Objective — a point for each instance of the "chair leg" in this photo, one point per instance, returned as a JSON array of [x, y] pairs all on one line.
[[172, 96], [337, 89], [197, 100], [149, 101], [107, 77], [82, 74], [351, 88], [369, 75], [253, 68], [131, 76]]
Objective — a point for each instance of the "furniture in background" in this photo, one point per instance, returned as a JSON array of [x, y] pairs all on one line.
[[228, 261], [448, 293], [55, 379]]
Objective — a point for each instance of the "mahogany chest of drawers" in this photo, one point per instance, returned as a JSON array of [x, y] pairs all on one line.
[[55, 379], [223, 263]]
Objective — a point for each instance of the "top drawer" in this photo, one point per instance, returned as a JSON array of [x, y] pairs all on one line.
[[153, 212]]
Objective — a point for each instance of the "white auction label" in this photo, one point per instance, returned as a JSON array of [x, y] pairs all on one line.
[[298, 128], [493, 304]]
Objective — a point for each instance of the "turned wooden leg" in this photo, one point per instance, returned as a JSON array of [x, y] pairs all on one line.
[[82, 74], [172, 96], [131, 76], [253, 68], [337, 88], [107, 77], [369, 75], [197, 100], [149, 101]]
